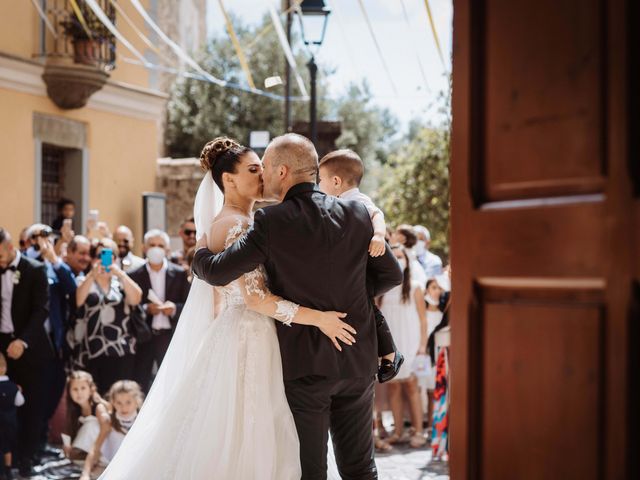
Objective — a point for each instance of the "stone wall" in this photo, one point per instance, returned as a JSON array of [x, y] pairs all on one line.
[[178, 179]]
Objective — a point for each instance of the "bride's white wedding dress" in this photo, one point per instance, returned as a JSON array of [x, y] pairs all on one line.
[[217, 408], [227, 416]]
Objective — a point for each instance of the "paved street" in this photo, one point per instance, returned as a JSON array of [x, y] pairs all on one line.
[[404, 463]]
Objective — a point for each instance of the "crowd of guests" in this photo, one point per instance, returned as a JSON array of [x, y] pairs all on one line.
[[415, 311], [82, 314], [85, 323]]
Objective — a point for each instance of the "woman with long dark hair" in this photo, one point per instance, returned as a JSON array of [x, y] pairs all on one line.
[[405, 311]]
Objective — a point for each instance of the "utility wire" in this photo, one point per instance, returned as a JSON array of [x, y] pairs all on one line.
[[236, 45], [413, 45], [375, 41]]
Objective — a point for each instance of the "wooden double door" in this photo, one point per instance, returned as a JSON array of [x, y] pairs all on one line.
[[545, 234]]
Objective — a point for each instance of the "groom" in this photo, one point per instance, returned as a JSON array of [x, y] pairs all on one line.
[[315, 251]]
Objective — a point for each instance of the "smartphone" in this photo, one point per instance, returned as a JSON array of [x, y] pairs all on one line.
[[93, 215], [106, 258], [66, 223]]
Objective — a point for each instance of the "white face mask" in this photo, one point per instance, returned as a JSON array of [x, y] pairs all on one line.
[[421, 247], [431, 301], [156, 255]]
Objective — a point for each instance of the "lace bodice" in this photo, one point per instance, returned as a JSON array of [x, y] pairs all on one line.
[[253, 285], [231, 294]]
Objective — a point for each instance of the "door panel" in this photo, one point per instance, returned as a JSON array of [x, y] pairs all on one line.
[[524, 105], [544, 231], [541, 390]]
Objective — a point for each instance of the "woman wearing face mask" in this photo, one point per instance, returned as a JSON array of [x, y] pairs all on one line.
[[101, 338], [405, 311]]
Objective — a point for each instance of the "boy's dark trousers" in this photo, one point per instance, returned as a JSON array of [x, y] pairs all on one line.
[[385, 339]]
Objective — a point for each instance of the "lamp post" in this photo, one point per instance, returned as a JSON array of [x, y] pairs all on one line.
[[313, 16]]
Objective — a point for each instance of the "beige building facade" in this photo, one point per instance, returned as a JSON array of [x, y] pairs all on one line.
[[102, 155]]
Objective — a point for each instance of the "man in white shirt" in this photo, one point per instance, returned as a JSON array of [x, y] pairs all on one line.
[[126, 260], [165, 288], [24, 294]]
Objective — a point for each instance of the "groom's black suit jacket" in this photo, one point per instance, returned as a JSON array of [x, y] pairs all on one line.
[[315, 251]]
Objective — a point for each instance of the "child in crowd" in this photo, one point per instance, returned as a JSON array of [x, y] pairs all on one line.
[[434, 317], [340, 174], [126, 397], [96, 426], [88, 420], [10, 399]]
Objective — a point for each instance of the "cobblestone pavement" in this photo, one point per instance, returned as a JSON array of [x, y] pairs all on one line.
[[404, 463]]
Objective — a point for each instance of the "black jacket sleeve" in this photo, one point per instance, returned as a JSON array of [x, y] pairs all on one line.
[[244, 256], [384, 272], [39, 305], [183, 293]]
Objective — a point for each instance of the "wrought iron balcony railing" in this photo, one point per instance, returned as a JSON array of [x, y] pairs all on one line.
[[79, 33], [78, 49]]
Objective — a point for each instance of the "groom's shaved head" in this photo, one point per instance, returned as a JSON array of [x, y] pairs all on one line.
[[296, 152]]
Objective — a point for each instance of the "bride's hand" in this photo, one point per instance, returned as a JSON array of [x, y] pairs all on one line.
[[333, 327]]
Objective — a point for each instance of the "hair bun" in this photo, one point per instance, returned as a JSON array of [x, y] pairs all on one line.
[[215, 149]]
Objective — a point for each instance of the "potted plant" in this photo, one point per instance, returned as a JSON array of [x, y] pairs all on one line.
[[86, 37]]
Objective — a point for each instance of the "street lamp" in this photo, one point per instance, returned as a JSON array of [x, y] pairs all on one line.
[[313, 16]]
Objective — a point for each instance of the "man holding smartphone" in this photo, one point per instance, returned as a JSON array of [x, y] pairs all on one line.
[[66, 211], [62, 290]]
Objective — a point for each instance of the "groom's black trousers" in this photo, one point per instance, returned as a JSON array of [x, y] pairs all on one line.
[[346, 408]]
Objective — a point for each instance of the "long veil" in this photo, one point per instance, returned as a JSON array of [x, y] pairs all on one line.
[[196, 315]]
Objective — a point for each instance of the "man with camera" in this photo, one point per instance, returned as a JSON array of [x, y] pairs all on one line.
[[62, 290]]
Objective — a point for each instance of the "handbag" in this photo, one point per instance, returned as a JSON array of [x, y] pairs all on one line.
[[140, 329]]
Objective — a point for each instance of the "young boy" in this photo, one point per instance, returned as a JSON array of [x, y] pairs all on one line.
[[10, 399], [340, 174]]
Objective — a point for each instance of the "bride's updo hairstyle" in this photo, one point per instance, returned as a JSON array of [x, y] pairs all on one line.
[[222, 155]]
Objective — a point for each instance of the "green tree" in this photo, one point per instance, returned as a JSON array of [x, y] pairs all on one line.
[[415, 185], [366, 129], [199, 111]]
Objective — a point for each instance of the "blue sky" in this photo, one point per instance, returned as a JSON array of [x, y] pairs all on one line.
[[349, 49]]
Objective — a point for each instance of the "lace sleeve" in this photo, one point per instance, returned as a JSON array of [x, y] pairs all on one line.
[[254, 286], [235, 232], [258, 296]]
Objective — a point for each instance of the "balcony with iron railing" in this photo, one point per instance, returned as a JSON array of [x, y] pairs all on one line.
[[78, 50]]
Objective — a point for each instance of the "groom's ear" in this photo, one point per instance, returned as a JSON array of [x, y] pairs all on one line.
[[282, 171]]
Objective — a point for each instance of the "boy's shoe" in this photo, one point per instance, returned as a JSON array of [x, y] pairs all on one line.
[[388, 369]]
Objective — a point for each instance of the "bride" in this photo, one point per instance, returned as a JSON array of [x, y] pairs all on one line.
[[217, 408]]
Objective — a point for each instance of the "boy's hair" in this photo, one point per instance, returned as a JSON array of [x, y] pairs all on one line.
[[345, 164], [3, 363]]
